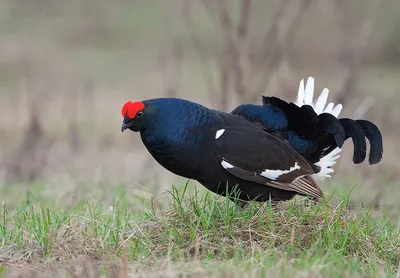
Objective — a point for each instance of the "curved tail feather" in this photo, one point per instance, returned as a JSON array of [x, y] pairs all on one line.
[[354, 130], [313, 129], [331, 125], [307, 93], [374, 137]]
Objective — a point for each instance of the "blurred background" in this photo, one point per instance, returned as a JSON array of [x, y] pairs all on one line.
[[67, 67]]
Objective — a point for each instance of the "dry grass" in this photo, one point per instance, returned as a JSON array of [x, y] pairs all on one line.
[[88, 269]]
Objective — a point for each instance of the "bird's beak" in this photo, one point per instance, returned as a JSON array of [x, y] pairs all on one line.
[[124, 126]]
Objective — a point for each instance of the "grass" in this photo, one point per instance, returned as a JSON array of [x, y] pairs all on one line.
[[198, 235]]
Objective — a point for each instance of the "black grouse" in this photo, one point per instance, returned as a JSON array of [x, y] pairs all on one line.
[[270, 152]]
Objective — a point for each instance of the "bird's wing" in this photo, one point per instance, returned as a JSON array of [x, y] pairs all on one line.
[[255, 155]]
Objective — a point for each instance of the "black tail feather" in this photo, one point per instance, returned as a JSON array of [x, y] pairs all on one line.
[[331, 125], [302, 120], [374, 137], [354, 130], [331, 132], [281, 104], [307, 120]]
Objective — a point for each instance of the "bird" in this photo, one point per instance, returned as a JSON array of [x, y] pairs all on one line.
[[264, 154]]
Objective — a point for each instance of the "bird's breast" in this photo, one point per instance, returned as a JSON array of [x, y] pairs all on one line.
[[179, 153]]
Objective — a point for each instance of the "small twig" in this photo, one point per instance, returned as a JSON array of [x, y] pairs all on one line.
[[363, 108], [354, 64], [224, 82], [271, 35], [200, 49], [172, 69], [231, 46], [244, 20], [277, 45]]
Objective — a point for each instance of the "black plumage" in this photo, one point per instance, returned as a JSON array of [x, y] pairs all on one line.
[[354, 131], [195, 142], [374, 136], [272, 151], [314, 135]]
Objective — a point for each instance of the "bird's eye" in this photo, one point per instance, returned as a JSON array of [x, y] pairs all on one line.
[[140, 113]]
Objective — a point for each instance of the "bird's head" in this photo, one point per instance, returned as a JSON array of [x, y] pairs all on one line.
[[135, 115], [159, 115]]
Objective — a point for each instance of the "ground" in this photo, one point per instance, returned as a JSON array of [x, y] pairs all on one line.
[[198, 234]]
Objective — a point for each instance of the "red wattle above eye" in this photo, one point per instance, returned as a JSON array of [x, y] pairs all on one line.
[[131, 108]]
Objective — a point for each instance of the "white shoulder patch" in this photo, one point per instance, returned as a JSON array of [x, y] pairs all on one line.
[[226, 165], [219, 133], [274, 174]]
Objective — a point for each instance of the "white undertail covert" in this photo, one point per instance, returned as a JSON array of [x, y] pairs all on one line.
[[305, 97]]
